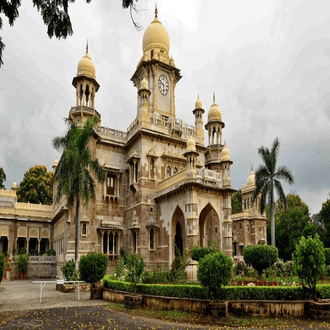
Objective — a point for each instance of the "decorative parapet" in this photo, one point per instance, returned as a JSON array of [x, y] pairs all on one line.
[[10, 193], [84, 109], [43, 259], [209, 177], [173, 180], [113, 133]]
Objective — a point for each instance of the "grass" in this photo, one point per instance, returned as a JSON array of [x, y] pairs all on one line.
[[176, 316]]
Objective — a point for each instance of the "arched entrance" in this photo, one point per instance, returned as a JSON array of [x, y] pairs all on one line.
[[178, 232], [209, 227]]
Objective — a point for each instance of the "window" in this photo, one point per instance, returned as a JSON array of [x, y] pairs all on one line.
[[168, 171], [152, 169], [83, 229], [175, 170], [240, 226], [151, 239], [110, 184]]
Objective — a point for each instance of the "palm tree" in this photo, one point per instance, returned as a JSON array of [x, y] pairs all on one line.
[[267, 178], [73, 171]]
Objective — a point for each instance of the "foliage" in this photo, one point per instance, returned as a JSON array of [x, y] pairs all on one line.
[[236, 202], [37, 186], [72, 175], [22, 262], [240, 268], [227, 293], [324, 218], [92, 267], [290, 224], [119, 271], [197, 253], [260, 257], [2, 172], [135, 266], [178, 267], [2, 265], [214, 272], [156, 276], [267, 179], [69, 271], [327, 256], [51, 253], [8, 265], [309, 261], [55, 15]]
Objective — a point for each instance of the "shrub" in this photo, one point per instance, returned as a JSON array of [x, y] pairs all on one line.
[[309, 262], [51, 253], [214, 272], [198, 253], [69, 271], [227, 293], [2, 265], [156, 276], [260, 257], [135, 266], [119, 271], [178, 269], [22, 262], [240, 267], [92, 267]]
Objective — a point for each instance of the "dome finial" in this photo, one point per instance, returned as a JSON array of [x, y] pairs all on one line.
[[213, 97], [156, 11], [87, 47]]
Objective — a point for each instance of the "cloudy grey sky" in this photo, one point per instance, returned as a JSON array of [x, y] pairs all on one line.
[[267, 61]]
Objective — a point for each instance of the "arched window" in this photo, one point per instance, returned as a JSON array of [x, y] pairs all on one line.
[[111, 243], [168, 171], [110, 184], [116, 243], [152, 168], [175, 170], [151, 239]]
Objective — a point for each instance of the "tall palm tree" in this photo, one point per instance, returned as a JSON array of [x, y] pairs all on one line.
[[73, 171], [267, 178]]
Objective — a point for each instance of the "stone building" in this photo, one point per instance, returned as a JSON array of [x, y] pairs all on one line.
[[163, 187], [249, 226]]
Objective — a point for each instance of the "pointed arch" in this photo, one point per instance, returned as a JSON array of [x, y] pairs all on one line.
[[209, 226], [178, 231]]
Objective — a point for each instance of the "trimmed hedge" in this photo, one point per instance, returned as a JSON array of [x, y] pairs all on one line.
[[227, 293]]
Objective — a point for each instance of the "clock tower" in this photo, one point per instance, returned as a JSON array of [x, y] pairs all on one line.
[[158, 68]]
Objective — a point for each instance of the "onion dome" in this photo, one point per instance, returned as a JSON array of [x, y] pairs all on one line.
[[14, 186], [86, 67], [191, 144], [156, 36], [198, 104], [214, 113], [225, 153], [251, 179], [144, 84]]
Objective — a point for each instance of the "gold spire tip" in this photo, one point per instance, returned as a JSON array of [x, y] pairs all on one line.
[[213, 97], [87, 46], [156, 11]]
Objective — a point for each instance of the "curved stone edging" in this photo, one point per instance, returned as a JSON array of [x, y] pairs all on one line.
[[295, 308]]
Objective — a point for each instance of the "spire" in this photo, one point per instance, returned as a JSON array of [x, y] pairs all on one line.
[[87, 47], [213, 97], [156, 12]]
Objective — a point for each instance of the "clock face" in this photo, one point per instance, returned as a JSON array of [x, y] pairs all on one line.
[[163, 84]]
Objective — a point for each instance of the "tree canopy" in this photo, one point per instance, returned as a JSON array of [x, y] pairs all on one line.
[[2, 178], [37, 186], [236, 202], [268, 178], [324, 218], [55, 15]]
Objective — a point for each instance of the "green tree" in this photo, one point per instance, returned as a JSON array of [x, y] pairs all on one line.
[[72, 175], [55, 15], [135, 266], [260, 257], [92, 267], [2, 178], [290, 224], [309, 262], [267, 180], [324, 218], [37, 186], [236, 202], [214, 272]]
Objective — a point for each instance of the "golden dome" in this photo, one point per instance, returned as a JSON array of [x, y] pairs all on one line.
[[144, 84], [156, 36], [214, 112], [198, 104], [251, 179], [191, 144], [86, 67], [225, 153]]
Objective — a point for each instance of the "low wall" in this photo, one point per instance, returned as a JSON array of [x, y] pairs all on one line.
[[35, 269], [295, 308], [72, 288], [237, 307], [319, 310]]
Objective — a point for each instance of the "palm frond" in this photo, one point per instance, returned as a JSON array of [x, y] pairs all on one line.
[[274, 154], [285, 174], [280, 192]]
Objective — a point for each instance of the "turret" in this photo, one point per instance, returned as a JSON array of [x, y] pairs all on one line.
[[198, 112]]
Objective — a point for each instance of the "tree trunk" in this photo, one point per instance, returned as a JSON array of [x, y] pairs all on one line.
[[272, 220], [77, 233]]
